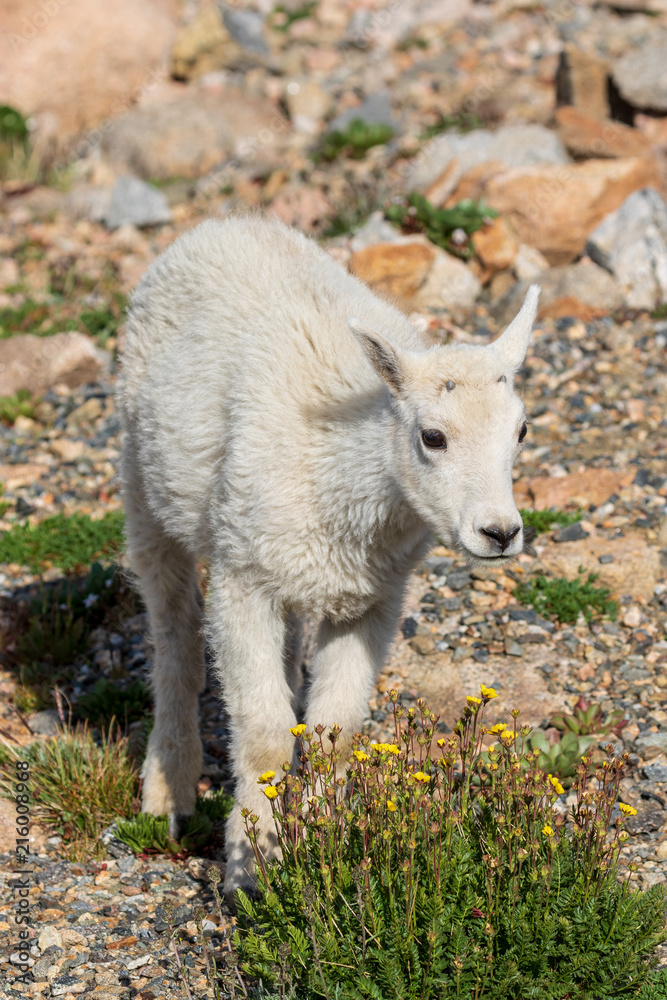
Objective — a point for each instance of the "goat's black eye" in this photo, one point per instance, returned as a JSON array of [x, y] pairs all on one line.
[[523, 432], [434, 439]]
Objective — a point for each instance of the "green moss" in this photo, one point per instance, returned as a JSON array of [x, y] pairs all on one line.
[[65, 542], [567, 599], [289, 16]]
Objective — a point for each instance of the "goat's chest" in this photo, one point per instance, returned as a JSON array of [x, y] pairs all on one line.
[[342, 580]]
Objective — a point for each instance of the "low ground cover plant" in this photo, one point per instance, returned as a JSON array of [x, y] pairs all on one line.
[[417, 215], [565, 600], [18, 405], [79, 785], [68, 542], [147, 834], [446, 871]]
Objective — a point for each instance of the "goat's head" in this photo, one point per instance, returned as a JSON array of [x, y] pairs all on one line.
[[459, 427]]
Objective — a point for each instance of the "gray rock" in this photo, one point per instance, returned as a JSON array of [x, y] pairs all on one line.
[[246, 27], [589, 284], [651, 740], [67, 984], [605, 559], [631, 243], [193, 135], [570, 533], [641, 76], [458, 579], [655, 772], [515, 145], [375, 110], [88, 201], [136, 203], [512, 648], [46, 723]]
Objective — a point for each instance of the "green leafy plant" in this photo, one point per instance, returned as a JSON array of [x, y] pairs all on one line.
[[78, 785], [16, 162], [417, 214], [62, 541], [150, 834], [4, 504], [543, 520], [444, 873], [107, 701], [103, 323], [18, 405], [354, 140], [579, 734], [567, 599], [589, 719]]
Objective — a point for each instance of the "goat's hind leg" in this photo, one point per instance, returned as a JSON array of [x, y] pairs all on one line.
[[167, 581]]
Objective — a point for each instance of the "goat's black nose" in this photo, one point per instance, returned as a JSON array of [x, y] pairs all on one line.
[[502, 537]]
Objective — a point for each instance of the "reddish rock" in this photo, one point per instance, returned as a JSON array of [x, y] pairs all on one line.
[[582, 82], [591, 486], [555, 208], [394, 269], [586, 136], [496, 245]]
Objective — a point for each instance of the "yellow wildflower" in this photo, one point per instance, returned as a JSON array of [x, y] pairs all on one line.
[[391, 806], [385, 748], [420, 776], [507, 734], [556, 784], [298, 730], [271, 792], [441, 743], [498, 728], [547, 831], [267, 776], [360, 755], [472, 701], [627, 810], [487, 693]]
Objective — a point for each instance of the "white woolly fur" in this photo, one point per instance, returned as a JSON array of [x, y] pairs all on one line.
[[273, 410]]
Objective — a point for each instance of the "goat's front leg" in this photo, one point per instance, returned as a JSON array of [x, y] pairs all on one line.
[[248, 632], [346, 663]]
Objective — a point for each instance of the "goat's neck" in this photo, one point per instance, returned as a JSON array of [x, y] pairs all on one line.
[[359, 482]]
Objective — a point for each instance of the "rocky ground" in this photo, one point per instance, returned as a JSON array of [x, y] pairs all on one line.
[[554, 115]]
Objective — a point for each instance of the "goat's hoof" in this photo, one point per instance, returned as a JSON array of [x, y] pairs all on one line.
[[177, 822]]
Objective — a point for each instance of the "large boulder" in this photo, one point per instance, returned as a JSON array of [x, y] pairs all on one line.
[[38, 363], [416, 274], [555, 208], [631, 243], [191, 135], [75, 64]]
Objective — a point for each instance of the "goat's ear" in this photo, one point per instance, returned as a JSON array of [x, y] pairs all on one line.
[[387, 360], [513, 343]]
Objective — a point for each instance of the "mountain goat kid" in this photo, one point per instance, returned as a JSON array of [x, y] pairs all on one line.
[[294, 430]]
